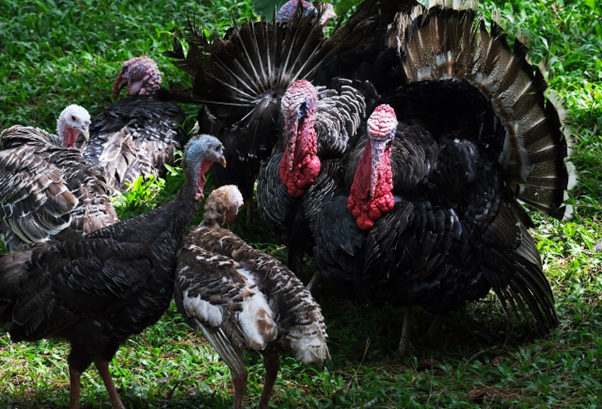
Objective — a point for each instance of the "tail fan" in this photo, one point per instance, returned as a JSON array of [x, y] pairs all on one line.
[[444, 44], [513, 267]]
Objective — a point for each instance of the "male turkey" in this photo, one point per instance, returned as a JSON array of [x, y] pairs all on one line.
[[136, 135], [243, 299], [319, 128], [47, 189], [428, 212], [242, 77], [98, 290]]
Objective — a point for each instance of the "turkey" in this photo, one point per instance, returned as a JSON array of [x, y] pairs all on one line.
[[325, 11], [428, 212], [98, 290], [136, 135], [318, 130], [242, 77], [47, 189], [243, 299]]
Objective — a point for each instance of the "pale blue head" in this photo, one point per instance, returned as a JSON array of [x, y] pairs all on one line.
[[200, 154]]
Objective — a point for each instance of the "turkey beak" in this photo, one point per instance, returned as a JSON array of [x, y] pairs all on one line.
[[221, 160], [85, 131]]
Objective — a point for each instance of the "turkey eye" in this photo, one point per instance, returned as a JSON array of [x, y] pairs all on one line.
[[73, 117]]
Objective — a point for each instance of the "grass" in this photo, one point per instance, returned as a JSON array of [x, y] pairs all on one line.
[[56, 53]]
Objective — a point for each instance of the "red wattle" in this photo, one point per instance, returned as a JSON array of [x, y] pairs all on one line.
[[365, 209], [301, 177], [306, 164]]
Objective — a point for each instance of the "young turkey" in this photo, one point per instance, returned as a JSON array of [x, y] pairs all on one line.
[[98, 290], [243, 299], [428, 213], [136, 135], [47, 189]]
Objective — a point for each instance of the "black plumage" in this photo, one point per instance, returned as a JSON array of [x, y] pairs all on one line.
[[98, 290], [243, 299], [242, 77], [335, 117], [436, 220]]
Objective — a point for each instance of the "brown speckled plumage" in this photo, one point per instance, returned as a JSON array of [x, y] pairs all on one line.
[[243, 299], [48, 191]]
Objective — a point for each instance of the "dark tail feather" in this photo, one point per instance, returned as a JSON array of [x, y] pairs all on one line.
[[443, 43], [252, 60], [513, 267], [523, 287]]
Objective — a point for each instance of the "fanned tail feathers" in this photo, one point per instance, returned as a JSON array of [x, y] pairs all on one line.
[[513, 267], [254, 61], [444, 43]]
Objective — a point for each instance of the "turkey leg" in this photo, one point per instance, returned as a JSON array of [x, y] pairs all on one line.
[[74, 378], [404, 343], [103, 368], [272, 364], [240, 384]]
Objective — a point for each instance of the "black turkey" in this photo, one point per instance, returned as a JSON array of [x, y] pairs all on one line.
[[243, 299], [47, 189], [136, 135], [319, 128], [242, 77], [428, 211], [98, 290]]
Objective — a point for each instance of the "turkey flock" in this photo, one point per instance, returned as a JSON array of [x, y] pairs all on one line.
[[393, 156]]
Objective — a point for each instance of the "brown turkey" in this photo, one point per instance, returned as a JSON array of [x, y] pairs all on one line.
[[429, 212], [47, 189], [136, 135], [98, 290], [243, 299]]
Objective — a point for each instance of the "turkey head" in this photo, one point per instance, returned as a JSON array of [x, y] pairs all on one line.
[[206, 149], [140, 74], [325, 11], [73, 121], [300, 165], [373, 182], [222, 204]]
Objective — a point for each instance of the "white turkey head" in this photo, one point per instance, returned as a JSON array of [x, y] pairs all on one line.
[[300, 165], [288, 10], [222, 203], [200, 154], [373, 182], [73, 121], [140, 74]]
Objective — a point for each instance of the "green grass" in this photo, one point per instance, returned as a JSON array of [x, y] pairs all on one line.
[[53, 54]]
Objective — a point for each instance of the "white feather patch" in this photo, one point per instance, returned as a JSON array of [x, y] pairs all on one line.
[[201, 310], [256, 318]]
